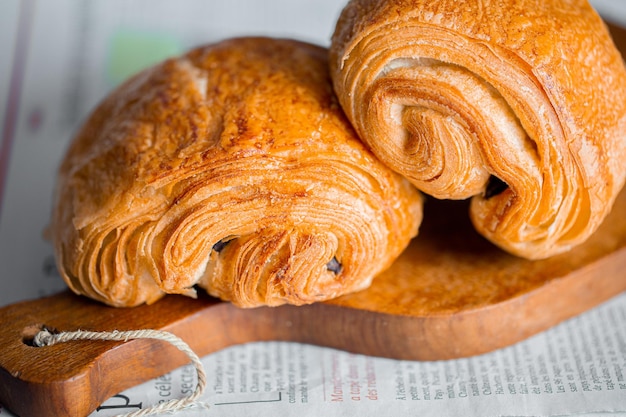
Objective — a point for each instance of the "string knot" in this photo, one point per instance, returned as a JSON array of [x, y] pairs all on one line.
[[43, 338], [46, 338]]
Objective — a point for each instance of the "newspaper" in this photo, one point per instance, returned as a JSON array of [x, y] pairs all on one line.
[[578, 367], [58, 59], [575, 368]]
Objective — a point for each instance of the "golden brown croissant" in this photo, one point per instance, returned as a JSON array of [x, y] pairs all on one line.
[[520, 104], [232, 168]]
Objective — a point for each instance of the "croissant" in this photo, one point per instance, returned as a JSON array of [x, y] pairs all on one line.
[[233, 169], [519, 104]]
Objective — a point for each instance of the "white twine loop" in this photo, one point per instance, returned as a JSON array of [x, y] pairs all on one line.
[[46, 338]]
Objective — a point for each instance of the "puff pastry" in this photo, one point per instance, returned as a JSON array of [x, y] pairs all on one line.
[[231, 168], [519, 104]]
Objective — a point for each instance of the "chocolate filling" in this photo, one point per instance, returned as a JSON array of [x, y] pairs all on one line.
[[495, 186], [219, 246], [334, 266]]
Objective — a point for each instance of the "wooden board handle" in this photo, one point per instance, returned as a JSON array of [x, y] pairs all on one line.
[[451, 294], [421, 308]]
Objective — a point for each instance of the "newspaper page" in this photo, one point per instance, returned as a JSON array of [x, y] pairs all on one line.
[[578, 367], [59, 58]]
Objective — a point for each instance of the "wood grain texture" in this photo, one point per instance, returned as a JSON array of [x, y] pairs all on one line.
[[451, 294]]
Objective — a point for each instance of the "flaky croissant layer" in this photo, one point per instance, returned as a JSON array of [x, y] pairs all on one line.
[[230, 168], [520, 104]]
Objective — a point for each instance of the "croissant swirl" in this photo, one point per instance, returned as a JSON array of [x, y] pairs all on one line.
[[232, 168], [519, 104]]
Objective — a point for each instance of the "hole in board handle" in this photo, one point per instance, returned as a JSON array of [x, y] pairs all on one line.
[[29, 333]]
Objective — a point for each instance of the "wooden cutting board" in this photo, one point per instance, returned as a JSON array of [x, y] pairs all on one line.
[[451, 294]]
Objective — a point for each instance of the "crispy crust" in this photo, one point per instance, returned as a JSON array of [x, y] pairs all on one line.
[[461, 95], [234, 169]]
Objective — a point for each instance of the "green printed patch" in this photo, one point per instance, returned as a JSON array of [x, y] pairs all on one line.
[[131, 51]]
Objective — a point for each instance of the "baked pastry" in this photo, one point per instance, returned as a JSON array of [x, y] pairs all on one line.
[[234, 169], [519, 104]]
